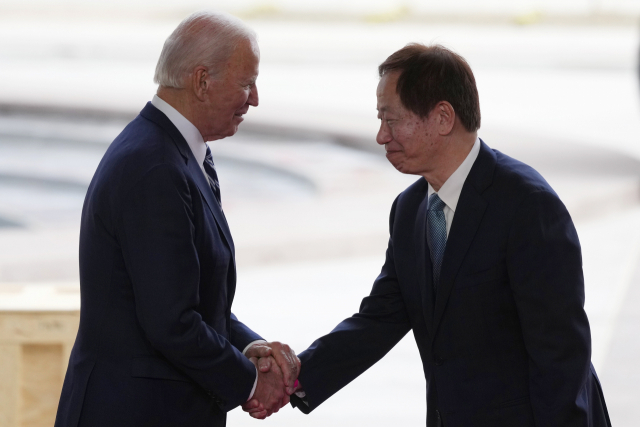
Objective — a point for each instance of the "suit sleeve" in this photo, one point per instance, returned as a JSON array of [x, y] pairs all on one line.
[[158, 245], [241, 335], [545, 270], [358, 342]]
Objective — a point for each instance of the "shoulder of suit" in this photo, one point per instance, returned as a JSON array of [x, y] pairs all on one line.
[[412, 196], [419, 188], [141, 146], [518, 176]]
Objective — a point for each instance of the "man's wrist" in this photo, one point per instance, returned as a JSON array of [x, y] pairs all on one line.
[[244, 352]]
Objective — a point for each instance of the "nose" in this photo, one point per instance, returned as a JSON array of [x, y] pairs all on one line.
[[384, 134], [253, 96]]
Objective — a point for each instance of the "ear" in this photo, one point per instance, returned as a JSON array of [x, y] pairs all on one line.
[[446, 117], [200, 82]]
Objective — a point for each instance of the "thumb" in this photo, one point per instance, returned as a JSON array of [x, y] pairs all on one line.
[[254, 360], [264, 364]]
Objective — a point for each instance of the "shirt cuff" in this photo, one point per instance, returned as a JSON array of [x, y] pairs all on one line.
[[255, 384], [250, 344]]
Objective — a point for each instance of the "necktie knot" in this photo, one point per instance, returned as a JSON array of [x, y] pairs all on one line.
[[436, 203], [208, 158]]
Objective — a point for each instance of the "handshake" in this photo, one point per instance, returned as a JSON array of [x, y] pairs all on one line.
[[278, 368]]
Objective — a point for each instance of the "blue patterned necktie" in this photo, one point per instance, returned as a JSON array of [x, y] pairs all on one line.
[[212, 175], [436, 234]]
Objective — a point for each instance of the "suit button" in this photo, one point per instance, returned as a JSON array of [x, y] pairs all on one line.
[[438, 361]]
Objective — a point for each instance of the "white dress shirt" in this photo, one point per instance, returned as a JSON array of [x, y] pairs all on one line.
[[199, 149], [450, 191], [190, 133]]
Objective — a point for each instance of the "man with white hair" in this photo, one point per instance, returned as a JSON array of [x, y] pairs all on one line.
[[157, 343]]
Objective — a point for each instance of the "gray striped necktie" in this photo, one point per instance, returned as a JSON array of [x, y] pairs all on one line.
[[212, 175]]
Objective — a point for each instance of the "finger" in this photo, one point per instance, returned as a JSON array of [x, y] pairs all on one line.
[[259, 415], [251, 405], [258, 350], [264, 364], [288, 363], [258, 408], [294, 366], [253, 409], [256, 411], [275, 367]]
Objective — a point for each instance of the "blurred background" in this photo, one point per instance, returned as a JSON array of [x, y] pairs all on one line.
[[306, 189]]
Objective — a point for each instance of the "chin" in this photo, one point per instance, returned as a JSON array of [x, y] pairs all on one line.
[[403, 168], [233, 130], [399, 165], [222, 134]]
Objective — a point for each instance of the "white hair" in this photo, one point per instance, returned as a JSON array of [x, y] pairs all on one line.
[[204, 38]]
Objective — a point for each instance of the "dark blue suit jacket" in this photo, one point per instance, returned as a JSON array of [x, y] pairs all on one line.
[[505, 340], [157, 343]]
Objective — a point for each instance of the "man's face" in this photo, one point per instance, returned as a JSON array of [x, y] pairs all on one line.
[[232, 92], [410, 141]]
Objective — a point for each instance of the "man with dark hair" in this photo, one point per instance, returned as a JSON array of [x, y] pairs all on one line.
[[483, 264]]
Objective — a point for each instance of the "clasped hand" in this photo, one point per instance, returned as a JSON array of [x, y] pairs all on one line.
[[278, 369]]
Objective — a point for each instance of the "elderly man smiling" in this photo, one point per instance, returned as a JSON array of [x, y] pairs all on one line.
[[157, 343], [483, 265]]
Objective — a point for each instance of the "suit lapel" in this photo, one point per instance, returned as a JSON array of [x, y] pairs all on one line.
[[423, 264], [467, 219], [207, 193], [152, 113], [212, 203]]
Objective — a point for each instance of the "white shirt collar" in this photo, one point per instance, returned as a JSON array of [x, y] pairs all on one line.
[[450, 191], [190, 133]]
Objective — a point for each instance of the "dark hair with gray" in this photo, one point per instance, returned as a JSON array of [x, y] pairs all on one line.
[[430, 74], [204, 38]]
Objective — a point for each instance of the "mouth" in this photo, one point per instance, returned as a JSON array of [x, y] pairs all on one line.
[[393, 155]]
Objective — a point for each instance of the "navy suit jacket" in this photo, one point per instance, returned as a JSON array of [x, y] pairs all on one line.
[[157, 343], [505, 340]]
